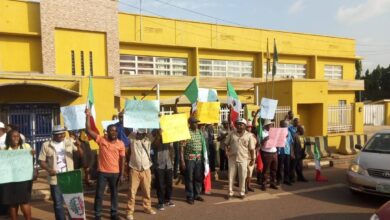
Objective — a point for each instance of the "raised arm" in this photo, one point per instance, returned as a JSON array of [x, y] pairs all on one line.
[[175, 111], [88, 129]]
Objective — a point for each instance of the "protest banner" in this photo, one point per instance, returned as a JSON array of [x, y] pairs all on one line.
[[277, 137], [15, 166], [174, 128], [105, 124], [72, 191], [268, 108], [207, 95], [208, 112], [74, 116], [141, 114]]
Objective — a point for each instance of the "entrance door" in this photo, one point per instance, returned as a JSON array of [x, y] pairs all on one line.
[[35, 121]]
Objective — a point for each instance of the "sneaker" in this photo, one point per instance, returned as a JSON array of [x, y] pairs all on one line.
[[200, 199], [150, 211], [160, 207], [170, 204], [190, 201], [130, 217]]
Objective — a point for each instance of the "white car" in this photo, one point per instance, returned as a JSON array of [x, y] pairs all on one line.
[[370, 170]]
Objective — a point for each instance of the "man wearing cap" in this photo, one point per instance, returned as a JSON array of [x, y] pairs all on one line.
[[110, 166], [3, 134], [56, 156], [270, 159], [240, 147], [191, 162], [138, 164]]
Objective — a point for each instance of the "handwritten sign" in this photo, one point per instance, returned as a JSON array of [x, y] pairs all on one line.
[[105, 124], [74, 116], [141, 114], [15, 166], [277, 137], [174, 128], [268, 108], [208, 112], [207, 95]]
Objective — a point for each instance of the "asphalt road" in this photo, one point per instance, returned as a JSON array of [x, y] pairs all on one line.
[[330, 200]]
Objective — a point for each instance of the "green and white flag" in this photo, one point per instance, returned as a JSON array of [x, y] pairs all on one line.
[[192, 92], [317, 157], [72, 191]]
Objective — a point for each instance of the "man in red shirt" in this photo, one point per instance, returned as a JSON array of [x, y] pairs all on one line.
[[111, 165]]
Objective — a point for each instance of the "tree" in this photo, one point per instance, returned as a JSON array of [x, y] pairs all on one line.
[[358, 68]]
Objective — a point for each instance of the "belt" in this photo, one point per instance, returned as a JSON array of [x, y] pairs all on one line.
[[194, 156]]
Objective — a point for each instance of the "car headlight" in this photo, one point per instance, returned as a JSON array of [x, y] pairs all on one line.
[[356, 168], [374, 217]]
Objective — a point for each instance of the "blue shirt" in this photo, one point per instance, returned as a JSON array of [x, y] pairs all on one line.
[[122, 134], [286, 150]]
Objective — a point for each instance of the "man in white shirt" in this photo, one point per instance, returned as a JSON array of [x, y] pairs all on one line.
[[3, 134], [269, 157]]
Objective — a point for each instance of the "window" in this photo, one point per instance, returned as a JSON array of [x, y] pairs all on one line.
[[225, 68], [146, 65], [288, 70], [333, 72]]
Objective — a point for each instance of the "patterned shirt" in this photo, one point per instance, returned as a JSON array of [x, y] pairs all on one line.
[[193, 149]]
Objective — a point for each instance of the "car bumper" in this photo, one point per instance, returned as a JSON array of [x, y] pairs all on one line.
[[367, 184]]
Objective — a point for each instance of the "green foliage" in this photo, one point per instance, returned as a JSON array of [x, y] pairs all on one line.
[[376, 84]]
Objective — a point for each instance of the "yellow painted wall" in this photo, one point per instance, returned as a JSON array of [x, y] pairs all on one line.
[[205, 35], [348, 67], [20, 54], [387, 113], [68, 40], [19, 17], [335, 96]]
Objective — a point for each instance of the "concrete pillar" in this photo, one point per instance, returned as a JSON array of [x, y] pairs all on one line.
[[358, 122], [387, 113]]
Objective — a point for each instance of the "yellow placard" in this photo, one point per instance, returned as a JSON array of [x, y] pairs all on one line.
[[174, 128], [208, 112]]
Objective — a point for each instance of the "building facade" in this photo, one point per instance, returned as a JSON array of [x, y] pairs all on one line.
[[49, 49]]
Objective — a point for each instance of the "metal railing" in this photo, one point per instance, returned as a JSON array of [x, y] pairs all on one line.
[[340, 118]]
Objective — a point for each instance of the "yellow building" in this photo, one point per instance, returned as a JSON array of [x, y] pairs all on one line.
[[48, 49]]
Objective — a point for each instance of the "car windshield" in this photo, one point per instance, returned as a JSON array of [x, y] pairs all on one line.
[[379, 143]]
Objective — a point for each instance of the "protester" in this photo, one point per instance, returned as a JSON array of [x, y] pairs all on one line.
[[191, 162], [3, 134], [250, 167], [222, 134], [257, 128], [110, 166], [211, 146], [9, 127], [240, 149], [269, 158], [163, 170], [86, 162], [289, 117], [284, 158], [17, 194], [138, 166], [299, 154], [56, 156], [123, 132]]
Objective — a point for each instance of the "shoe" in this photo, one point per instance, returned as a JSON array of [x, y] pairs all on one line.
[[242, 197], [287, 183], [150, 211], [250, 189], [130, 217], [160, 207], [236, 185], [190, 201], [303, 180], [200, 199], [262, 187], [170, 204], [228, 197], [273, 186]]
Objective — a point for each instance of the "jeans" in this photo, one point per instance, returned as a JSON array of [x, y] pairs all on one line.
[[212, 154], [283, 173], [58, 202], [164, 185], [270, 161], [112, 179], [296, 167], [223, 160], [193, 178]]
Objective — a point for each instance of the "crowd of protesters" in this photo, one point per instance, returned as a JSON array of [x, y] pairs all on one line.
[[141, 158]]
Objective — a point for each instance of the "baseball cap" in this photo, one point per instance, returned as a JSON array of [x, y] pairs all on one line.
[[58, 129], [242, 121], [267, 122]]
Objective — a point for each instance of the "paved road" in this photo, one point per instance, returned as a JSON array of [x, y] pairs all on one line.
[[331, 200]]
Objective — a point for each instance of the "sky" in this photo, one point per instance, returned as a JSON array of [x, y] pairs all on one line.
[[366, 21]]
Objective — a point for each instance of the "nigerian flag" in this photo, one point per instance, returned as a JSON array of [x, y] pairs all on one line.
[[72, 191], [192, 92]]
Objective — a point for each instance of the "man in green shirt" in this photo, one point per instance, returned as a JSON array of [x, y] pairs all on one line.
[[191, 162]]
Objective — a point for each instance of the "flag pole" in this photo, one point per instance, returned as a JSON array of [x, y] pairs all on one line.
[[274, 68], [267, 70]]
